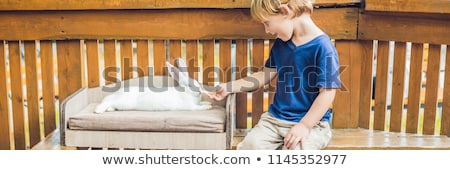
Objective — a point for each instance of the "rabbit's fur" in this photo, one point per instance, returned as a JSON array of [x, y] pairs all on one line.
[[186, 96]]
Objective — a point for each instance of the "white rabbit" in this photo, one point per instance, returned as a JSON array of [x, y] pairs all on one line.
[[186, 96]]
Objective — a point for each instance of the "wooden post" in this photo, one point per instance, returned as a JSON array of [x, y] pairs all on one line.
[[4, 110], [69, 67]]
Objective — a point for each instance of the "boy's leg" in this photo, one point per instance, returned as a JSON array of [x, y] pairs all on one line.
[[263, 136]]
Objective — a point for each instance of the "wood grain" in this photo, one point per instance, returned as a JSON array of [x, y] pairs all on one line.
[[415, 80], [342, 103], [69, 67], [192, 58], [208, 62], [142, 57], [431, 94], [141, 4], [16, 94], [92, 63], [445, 122], [339, 23], [381, 85], [366, 83], [420, 6], [48, 86], [398, 83], [241, 72], [4, 110], [126, 59], [110, 71], [404, 27], [258, 95], [34, 129]]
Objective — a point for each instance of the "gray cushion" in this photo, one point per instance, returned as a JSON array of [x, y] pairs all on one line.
[[212, 120]]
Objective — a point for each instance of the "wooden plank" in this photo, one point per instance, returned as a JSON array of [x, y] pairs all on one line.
[[431, 92], [415, 80], [381, 85], [241, 72], [445, 122], [5, 142], [110, 71], [69, 67], [48, 86], [93, 63], [208, 62], [419, 28], [366, 83], [419, 6], [342, 106], [224, 60], [34, 129], [355, 80], [192, 58], [398, 83], [339, 23], [126, 59], [175, 50], [159, 57], [16, 94], [258, 95], [142, 57], [140, 4]]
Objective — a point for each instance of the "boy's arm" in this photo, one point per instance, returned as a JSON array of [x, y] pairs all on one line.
[[300, 131], [249, 83], [319, 107]]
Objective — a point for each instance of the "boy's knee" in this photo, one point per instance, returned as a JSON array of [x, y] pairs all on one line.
[[248, 144]]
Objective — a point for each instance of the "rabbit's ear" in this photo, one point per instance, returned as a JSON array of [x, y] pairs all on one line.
[[182, 66], [173, 71], [177, 74]]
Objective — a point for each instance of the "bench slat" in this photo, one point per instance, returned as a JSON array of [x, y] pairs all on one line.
[[110, 61], [16, 94], [415, 79], [431, 93], [445, 122], [32, 92], [398, 84], [142, 57], [4, 110], [48, 86]]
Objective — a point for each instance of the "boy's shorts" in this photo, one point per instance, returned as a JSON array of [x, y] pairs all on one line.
[[269, 134]]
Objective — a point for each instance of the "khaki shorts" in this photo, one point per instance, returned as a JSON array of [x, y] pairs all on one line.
[[269, 134]]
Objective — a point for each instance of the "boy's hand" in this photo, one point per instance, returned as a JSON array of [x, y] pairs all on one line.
[[219, 94], [296, 135]]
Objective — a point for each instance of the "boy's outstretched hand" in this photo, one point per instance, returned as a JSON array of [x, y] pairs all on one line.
[[219, 94]]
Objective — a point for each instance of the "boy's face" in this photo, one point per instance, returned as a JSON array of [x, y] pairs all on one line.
[[280, 26]]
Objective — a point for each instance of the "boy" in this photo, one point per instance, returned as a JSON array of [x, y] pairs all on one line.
[[307, 66]]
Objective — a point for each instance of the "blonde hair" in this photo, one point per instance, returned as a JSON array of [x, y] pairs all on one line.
[[260, 9]]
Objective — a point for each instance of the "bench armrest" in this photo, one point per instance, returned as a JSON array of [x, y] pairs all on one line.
[[77, 101], [230, 107]]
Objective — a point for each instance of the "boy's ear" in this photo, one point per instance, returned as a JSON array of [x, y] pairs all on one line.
[[285, 10]]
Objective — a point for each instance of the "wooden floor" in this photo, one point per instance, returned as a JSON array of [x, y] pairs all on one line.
[[348, 139]]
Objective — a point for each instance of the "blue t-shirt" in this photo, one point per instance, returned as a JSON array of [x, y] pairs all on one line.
[[302, 71]]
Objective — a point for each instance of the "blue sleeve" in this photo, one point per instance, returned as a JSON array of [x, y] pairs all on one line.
[[329, 70]]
